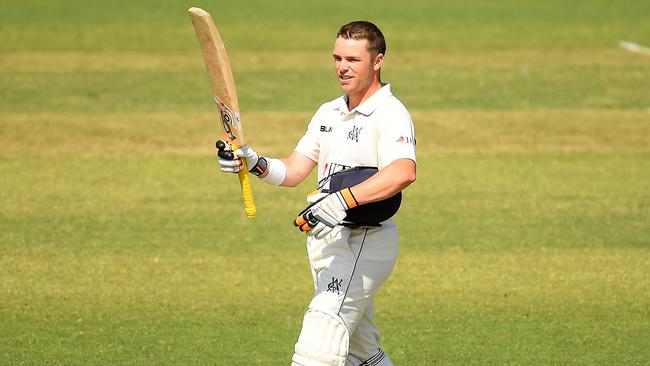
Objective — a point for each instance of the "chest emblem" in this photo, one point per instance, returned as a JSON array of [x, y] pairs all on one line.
[[354, 134]]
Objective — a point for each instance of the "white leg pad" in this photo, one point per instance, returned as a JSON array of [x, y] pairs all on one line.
[[324, 340]]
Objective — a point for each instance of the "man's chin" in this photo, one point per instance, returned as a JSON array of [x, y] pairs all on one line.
[[347, 88]]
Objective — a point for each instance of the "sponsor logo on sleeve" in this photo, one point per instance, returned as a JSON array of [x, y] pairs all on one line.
[[406, 140]]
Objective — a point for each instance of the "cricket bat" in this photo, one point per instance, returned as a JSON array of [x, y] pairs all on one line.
[[225, 95]]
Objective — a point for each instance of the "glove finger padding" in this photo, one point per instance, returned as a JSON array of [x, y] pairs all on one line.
[[301, 223], [223, 145], [226, 155], [305, 220], [319, 218], [320, 231], [228, 161], [311, 226], [230, 166]]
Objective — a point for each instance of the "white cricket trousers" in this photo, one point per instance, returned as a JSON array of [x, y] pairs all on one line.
[[348, 267]]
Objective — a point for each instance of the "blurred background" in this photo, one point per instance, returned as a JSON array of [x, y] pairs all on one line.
[[525, 239]]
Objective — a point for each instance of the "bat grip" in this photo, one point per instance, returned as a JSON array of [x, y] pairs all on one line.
[[246, 191]]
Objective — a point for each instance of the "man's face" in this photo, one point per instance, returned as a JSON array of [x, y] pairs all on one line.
[[355, 68]]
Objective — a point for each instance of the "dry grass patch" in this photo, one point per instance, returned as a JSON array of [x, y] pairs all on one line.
[[276, 133], [532, 132], [140, 134]]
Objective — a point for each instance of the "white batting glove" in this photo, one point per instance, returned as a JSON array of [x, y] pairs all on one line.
[[316, 196], [320, 218], [231, 161]]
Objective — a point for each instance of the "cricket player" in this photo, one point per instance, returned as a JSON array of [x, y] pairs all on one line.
[[366, 127]]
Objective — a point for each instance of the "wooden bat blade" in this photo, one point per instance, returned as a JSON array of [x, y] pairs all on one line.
[[225, 94], [220, 72]]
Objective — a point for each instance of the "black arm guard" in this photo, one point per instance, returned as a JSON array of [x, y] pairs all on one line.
[[369, 214]]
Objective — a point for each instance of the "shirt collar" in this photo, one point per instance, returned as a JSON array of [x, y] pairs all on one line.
[[369, 105]]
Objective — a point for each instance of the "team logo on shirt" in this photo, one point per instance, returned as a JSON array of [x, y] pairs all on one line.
[[335, 285], [354, 134]]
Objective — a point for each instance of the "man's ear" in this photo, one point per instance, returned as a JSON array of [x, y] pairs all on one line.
[[379, 61]]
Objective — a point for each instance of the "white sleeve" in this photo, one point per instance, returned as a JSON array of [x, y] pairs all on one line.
[[397, 137], [309, 144]]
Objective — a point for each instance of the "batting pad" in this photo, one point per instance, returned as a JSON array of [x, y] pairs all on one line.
[[324, 340]]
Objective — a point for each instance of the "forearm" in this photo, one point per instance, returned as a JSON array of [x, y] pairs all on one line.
[[386, 183], [298, 168], [287, 172]]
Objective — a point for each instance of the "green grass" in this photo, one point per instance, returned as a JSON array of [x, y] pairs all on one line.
[[516, 81], [524, 241]]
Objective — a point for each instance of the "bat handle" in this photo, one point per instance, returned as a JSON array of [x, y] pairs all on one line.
[[246, 191]]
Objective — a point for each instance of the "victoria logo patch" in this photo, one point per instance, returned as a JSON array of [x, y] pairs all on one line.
[[354, 134], [335, 285]]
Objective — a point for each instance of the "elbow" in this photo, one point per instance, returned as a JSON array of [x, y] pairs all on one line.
[[291, 180], [406, 180], [413, 178], [404, 177], [409, 179], [288, 183], [409, 174]]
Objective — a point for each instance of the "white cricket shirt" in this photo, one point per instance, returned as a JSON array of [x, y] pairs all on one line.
[[375, 133]]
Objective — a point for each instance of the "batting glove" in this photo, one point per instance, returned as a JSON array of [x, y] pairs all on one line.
[[231, 161], [320, 218]]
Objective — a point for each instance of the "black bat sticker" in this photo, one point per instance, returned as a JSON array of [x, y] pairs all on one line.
[[227, 118]]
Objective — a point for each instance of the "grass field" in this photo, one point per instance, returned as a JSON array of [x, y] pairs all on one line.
[[525, 240]]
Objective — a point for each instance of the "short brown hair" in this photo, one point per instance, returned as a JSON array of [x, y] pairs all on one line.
[[362, 29]]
